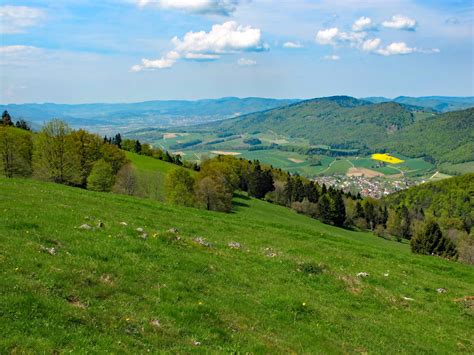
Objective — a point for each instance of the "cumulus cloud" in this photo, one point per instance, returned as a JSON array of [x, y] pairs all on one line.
[[359, 39], [16, 19], [363, 24], [400, 22], [220, 7], [292, 45], [333, 36], [332, 57], [229, 37], [244, 62], [371, 45], [327, 36]]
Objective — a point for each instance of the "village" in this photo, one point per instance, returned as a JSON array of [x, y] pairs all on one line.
[[375, 187]]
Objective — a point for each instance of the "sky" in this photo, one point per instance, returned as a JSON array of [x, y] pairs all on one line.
[[83, 51]]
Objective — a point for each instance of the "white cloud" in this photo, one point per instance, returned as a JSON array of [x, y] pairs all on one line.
[[229, 37], [400, 22], [15, 19], [364, 24], [292, 45], [332, 57], [220, 7], [371, 45], [244, 62], [328, 36], [396, 48], [334, 37]]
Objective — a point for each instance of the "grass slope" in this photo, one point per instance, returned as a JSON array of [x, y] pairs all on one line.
[[104, 287], [151, 174]]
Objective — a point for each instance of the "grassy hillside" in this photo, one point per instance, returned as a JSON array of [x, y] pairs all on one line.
[[151, 174], [447, 138], [292, 286], [338, 120]]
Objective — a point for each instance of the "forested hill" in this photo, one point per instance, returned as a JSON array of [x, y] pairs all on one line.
[[446, 138], [333, 120], [450, 201]]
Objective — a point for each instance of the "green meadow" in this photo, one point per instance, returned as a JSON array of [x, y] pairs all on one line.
[[288, 284]]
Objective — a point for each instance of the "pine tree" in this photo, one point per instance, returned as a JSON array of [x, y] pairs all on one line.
[[338, 210], [288, 190], [298, 189], [311, 192], [432, 242], [118, 140], [6, 119], [138, 147], [325, 209]]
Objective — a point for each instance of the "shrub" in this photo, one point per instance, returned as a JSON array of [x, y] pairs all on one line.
[[101, 177]]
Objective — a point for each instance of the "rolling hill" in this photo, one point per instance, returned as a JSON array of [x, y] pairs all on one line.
[[287, 283], [337, 121], [437, 103], [448, 137]]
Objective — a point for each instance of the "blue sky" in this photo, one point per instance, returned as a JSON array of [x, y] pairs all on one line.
[[80, 51]]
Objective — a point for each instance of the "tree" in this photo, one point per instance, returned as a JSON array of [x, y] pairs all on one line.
[[212, 194], [117, 140], [126, 180], [260, 182], [180, 187], [88, 148], [22, 124], [288, 190], [138, 147], [324, 206], [101, 177], [311, 192], [55, 157], [114, 156], [15, 152], [6, 119], [338, 210], [298, 189], [432, 242]]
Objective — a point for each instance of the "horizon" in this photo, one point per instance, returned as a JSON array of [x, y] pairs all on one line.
[[233, 97], [64, 52]]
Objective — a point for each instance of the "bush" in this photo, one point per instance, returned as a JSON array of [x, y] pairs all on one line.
[[101, 177]]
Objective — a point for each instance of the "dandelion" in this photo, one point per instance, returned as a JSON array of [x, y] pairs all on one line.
[[200, 303], [304, 304]]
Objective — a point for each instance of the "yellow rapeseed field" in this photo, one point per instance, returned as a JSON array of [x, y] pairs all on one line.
[[387, 158]]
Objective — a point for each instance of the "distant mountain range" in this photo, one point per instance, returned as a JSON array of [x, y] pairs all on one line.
[[436, 103], [143, 114]]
